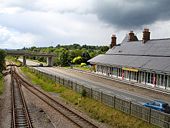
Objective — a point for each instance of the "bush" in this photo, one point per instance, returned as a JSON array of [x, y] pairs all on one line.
[[83, 64], [0, 75], [77, 60], [2, 60], [83, 93]]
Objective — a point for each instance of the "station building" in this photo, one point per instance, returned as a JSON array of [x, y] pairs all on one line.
[[145, 61]]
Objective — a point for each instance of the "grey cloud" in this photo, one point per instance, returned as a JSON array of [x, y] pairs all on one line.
[[4, 38], [127, 14], [25, 5], [24, 23]]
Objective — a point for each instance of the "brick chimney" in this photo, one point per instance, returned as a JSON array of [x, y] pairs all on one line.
[[146, 35], [132, 36], [113, 41]]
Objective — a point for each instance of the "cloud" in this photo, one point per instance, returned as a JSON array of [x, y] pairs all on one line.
[[127, 14], [50, 22], [62, 6], [13, 39]]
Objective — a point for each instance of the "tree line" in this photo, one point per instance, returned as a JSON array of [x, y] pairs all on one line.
[[67, 55], [2, 61]]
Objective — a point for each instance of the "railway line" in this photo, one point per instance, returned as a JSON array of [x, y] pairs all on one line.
[[72, 116], [20, 114]]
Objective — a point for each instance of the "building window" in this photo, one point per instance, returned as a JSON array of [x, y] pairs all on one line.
[[148, 77], [153, 78], [134, 76], [161, 80], [109, 71], [143, 76], [119, 72], [114, 71], [126, 74], [99, 69], [168, 84], [158, 79], [165, 81]]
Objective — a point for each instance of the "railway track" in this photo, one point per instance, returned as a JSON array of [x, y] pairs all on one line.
[[20, 114], [75, 118]]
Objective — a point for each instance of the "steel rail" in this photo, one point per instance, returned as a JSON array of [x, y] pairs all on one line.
[[13, 119], [85, 122], [20, 113]]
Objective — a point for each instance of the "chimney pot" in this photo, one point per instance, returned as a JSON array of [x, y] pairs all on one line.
[[132, 36], [146, 35], [113, 41], [113, 35]]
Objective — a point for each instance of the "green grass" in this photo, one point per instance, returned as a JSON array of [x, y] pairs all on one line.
[[85, 68], [45, 83], [94, 109], [1, 84]]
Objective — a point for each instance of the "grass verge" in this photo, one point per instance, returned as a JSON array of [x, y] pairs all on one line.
[[94, 109], [84, 68]]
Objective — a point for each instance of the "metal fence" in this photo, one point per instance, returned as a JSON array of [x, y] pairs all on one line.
[[149, 115]]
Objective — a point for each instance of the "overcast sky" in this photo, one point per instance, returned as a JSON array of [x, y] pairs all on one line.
[[26, 23]]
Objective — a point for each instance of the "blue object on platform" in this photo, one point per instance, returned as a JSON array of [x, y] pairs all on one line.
[[158, 105]]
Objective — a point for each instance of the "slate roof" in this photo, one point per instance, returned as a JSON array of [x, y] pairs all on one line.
[[153, 55]]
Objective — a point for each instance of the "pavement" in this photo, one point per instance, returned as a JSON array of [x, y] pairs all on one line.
[[156, 89], [124, 94]]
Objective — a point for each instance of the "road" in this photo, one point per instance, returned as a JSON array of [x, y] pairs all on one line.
[[111, 87]]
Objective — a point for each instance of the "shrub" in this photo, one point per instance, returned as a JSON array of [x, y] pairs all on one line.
[[2, 60], [77, 60], [83, 93], [83, 64]]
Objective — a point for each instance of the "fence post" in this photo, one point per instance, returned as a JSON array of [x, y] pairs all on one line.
[[149, 115], [130, 107], [101, 96], [76, 86], [59, 80], [114, 99], [71, 84], [81, 88], [91, 92], [63, 81]]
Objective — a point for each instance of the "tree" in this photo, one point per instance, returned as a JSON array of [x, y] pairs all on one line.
[[104, 48], [77, 60], [66, 53], [76, 46], [2, 60], [64, 58], [85, 56], [41, 59]]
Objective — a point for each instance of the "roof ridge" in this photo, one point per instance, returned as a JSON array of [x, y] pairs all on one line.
[[140, 55], [157, 39]]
